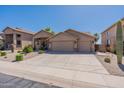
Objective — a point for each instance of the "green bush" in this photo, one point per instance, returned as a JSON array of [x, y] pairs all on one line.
[[41, 52], [107, 60], [19, 57], [28, 49], [3, 53]]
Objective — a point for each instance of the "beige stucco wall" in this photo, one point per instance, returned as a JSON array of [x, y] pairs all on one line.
[[85, 42], [42, 34], [62, 37], [79, 41], [26, 38], [82, 37]]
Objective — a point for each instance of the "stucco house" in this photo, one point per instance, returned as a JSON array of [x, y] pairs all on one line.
[[109, 36], [69, 40], [72, 40], [19, 37], [40, 39]]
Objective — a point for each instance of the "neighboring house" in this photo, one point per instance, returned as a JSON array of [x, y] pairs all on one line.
[[19, 37], [71, 40], [109, 37], [40, 39]]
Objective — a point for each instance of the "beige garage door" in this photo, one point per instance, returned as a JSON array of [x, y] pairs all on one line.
[[84, 46], [63, 46]]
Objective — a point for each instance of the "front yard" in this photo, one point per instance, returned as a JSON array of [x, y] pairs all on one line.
[[11, 57], [112, 67], [19, 55]]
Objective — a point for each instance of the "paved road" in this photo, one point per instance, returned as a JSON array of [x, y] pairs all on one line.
[[7, 81]]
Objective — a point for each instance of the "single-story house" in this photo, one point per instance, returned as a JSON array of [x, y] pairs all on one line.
[[40, 39], [72, 40], [19, 37], [109, 37]]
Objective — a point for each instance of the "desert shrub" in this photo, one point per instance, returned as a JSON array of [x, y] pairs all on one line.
[[113, 50], [42, 48], [41, 51], [107, 59], [28, 49], [19, 57], [3, 53]]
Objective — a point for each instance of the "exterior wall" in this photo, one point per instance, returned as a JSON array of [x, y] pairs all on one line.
[[62, 37], [111, 37], [26, 39], [81, 42], [84, 41], [42, 34]]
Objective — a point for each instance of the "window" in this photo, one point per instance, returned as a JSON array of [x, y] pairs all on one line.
[[108, 42], [108, 34], [18, 35], [18, 42]]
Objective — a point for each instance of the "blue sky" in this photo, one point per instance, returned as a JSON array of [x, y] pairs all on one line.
[[82, 18]]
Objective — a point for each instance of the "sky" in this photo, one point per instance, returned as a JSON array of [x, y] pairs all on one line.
[[93, 19]]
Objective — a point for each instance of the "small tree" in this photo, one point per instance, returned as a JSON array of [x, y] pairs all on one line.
[[97, 37], [119, 42], [48, 29]]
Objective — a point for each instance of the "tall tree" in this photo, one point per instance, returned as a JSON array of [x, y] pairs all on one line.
[[119, 42]]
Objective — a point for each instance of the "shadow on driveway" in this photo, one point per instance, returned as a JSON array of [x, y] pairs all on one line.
[[121, 66]]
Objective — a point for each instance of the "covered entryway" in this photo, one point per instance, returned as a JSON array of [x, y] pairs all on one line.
[[40, 40], [63, 46], [40, 43]]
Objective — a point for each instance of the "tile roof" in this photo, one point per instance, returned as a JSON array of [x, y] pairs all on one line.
[[19, 30]]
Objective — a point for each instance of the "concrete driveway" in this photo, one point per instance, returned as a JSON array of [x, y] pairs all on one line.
[[63, 70], [74, 62]]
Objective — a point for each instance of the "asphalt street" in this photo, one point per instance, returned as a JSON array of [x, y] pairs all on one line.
[[8, 81]]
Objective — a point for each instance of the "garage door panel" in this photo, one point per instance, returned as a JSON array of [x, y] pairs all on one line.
[[84, 46], [62, 46]]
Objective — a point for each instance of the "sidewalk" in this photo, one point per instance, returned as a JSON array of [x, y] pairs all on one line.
[[60, 77]]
